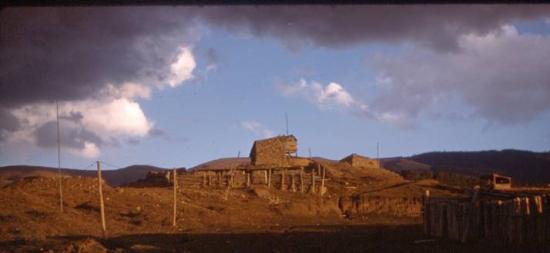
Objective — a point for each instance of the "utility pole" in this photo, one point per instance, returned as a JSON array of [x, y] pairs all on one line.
[[175, 184], [101, 204], [59, 159]]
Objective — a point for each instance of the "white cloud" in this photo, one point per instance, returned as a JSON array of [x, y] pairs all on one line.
[[335, 96], [182, 68], [257, 128], [502, 76], [119, 116], [90, 150], [128, 90], [329, 96], [87, 124]]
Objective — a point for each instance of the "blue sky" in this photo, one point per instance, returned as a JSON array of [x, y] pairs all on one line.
[[254, 80]]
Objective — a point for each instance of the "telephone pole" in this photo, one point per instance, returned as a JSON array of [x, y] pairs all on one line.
[[59, 159], [101, 203]]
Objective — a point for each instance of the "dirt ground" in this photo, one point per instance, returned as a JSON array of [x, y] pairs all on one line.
[[253, 219]]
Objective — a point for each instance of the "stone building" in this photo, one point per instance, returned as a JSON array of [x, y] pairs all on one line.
[[276, 151]]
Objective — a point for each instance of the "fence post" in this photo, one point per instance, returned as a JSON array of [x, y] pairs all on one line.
[[101, 204], [468, 212], [302, 179], [248, 179], [426, 210], [175, 183], [322, 190], [313, 182], [269, 174], [283, 179]]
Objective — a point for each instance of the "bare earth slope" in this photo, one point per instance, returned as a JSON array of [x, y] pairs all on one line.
[[253, 219], [113, 177]]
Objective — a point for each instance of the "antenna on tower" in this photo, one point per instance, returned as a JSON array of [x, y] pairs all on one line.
[[286, 120], [59, 159]]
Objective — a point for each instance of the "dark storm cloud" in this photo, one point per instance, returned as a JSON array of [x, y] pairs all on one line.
[[70, 53], [71, 136], [66, 54], [342, 26], [75, 117], [8, 123]]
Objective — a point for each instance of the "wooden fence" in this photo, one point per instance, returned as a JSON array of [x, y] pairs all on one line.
[[515, 219]]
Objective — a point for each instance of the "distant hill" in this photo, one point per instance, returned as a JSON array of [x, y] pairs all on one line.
[[525, 167], [113, 177], [399, 164]]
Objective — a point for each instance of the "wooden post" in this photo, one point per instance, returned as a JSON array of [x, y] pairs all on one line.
[[302, 179], [322, 190], [499, 221], [293, 183], [265, 177], [467, 212], [59, 174], [455, 221], [175, 183], [209, 179], [517, 220], [313, 182], [486, 222], [426, 214], [101, 204], [441, 228], [283, 179], [539, 223], [269, 175], [219, 175], [510, 220], [526, 219], [248, 178], [231, 179], [318, 169]]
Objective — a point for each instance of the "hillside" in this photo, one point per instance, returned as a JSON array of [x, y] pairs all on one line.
[[113, 177], [356, 201], [525, 167], [222, 163]]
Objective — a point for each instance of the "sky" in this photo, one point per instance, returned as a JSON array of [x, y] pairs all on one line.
[[178, 86]]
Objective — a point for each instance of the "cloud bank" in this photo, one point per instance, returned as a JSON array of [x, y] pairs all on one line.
[[97, 62], [101, 62], [503, 76], [436, 26]]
